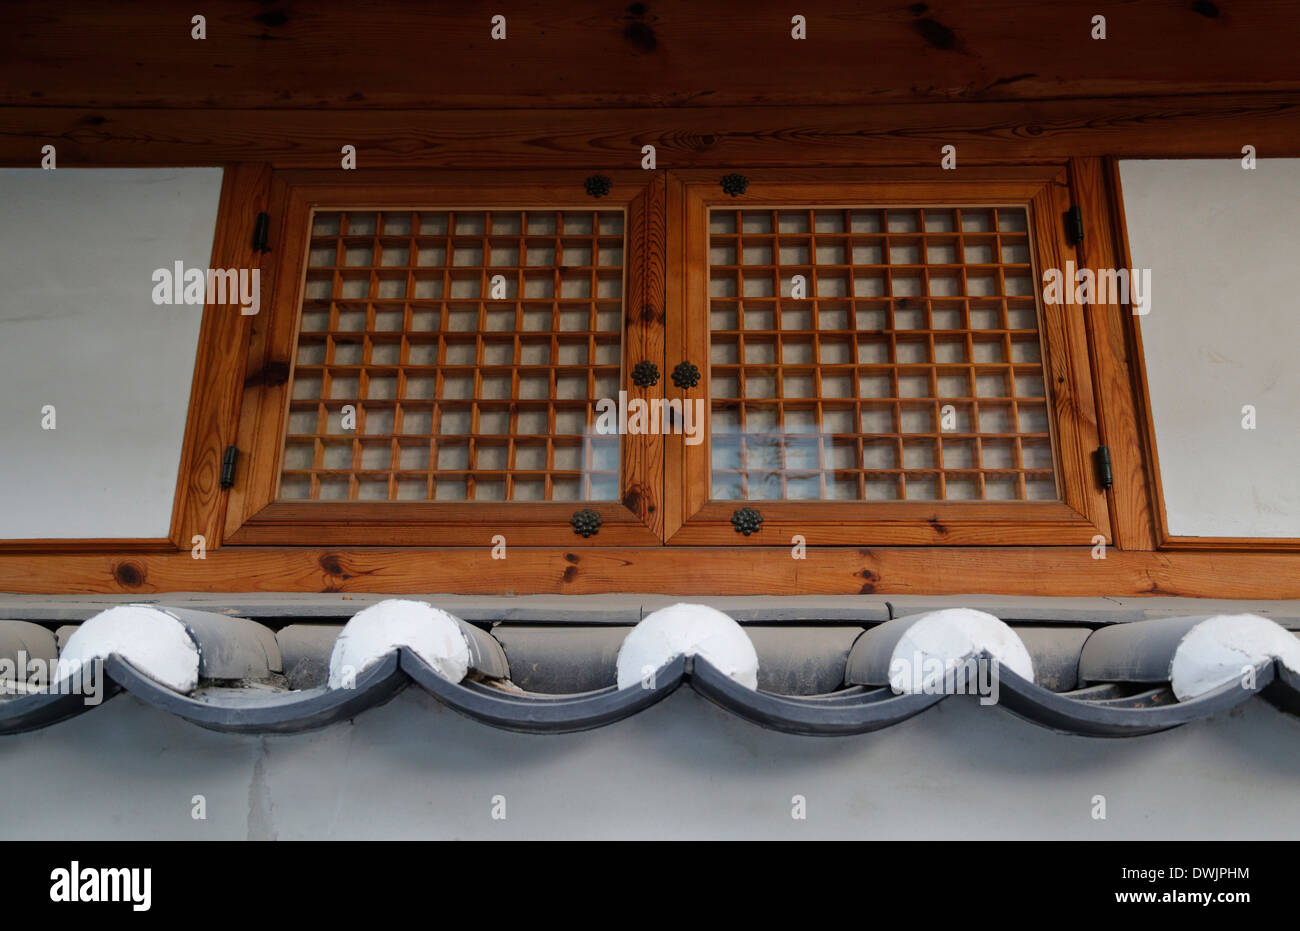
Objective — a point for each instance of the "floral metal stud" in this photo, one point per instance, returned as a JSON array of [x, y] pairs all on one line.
[[746, 520], [586, 522], [645, 374], [734, 184], [598, 185], [686, 375]]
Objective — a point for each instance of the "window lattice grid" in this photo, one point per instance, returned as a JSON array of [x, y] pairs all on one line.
[[912, 370], [459, 395]]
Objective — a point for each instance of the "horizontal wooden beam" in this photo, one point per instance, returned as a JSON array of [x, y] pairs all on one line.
[[1209, 126], [686, 571], [603, 53]]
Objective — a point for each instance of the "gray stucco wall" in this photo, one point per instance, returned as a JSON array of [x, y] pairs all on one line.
[[1220, 334], [682, 769], [79, 331]]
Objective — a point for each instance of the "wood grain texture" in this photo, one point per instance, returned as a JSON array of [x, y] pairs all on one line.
[[1042, 190], [663, 53], [219, 363], [642, 463], [693, 324], [676, 344], [683, 571], [1239, 544], [89, 545], [894, 523], [1067, 371], [1110, 336], [262, 400], [1211, 126], [255, 517], [418, 524]]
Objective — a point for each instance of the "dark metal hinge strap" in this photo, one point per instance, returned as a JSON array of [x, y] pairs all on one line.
[[261, 232], [1105, 475], [228, 466], [1074, 225]]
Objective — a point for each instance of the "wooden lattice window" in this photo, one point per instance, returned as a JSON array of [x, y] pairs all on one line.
[[913, 370], [434, 356], [882, 366], [413, 383], [872, 357]]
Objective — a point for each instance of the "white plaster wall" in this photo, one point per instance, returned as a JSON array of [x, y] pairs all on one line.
[[79, 330], [682, 769], [1223, 331]]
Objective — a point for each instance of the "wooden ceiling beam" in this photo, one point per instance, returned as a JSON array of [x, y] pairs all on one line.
[[615, 53], [1207, 126]]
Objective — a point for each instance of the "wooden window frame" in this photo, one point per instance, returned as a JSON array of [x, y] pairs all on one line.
[[1145, 421], [254, 516], [1141, 561], [1079, 518]]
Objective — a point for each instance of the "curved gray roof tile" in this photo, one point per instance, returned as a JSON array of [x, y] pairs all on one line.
[[1122, 660]]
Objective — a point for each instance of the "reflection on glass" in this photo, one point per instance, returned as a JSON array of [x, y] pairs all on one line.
[[876, 354], [456, 356]]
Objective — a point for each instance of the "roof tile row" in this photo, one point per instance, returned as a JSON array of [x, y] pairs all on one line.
[[527, 677]]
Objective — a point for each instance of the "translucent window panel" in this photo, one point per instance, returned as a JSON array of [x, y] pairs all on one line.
[[448, 355], [908, 369]]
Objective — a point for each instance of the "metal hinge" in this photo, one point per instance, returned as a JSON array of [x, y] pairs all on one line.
[[261, 232], [1104, 474], [1074, 225], [228, 466]]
